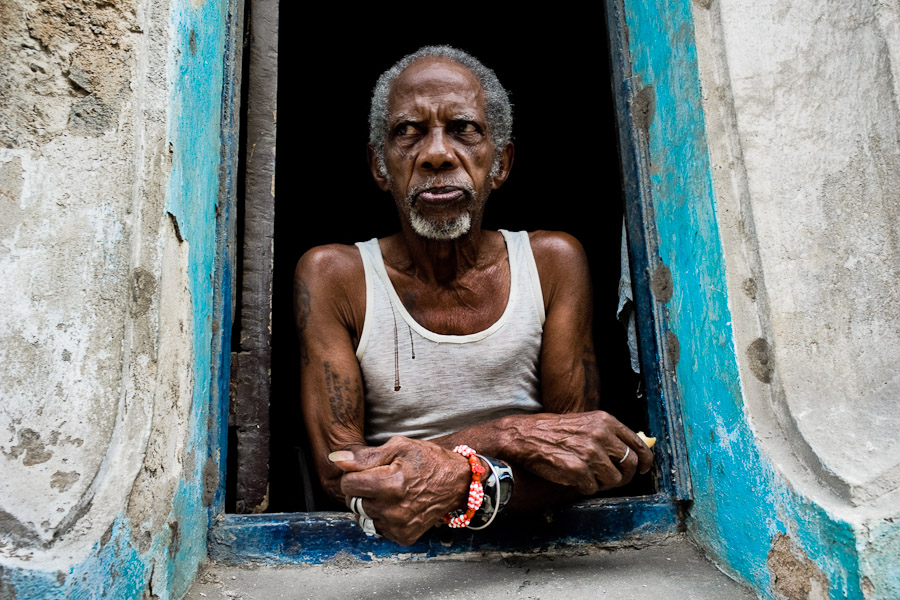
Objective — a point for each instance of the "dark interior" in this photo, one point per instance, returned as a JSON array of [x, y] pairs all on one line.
[[566, 176]]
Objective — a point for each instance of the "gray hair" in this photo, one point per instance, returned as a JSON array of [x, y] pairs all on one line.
[[499, 108]]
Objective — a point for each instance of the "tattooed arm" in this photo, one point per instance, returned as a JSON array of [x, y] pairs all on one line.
[[329, 305], [412, 483]]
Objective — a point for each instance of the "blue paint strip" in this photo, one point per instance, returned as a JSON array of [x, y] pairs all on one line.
[[117, 569], [314, 538], [195, 120], [663, 403], [740, 502]]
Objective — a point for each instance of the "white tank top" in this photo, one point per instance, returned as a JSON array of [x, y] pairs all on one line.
[[422, 384]]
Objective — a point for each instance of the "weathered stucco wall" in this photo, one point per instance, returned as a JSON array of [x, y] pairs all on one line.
[[110, 148], [773, 154], [800, 105], [816, 124]]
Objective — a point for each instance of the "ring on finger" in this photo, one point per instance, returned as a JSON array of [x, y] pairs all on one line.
[[356, 505], [360, 510], [627, 452], [368, 526]]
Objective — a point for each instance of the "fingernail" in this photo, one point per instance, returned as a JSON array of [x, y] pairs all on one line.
[[340, 456]]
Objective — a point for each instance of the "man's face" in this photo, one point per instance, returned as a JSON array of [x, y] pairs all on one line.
[[439, 153]]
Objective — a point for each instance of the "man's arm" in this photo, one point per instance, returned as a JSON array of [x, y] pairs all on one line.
[[566, 451], [413, 483], [574, 448], [325, 287]]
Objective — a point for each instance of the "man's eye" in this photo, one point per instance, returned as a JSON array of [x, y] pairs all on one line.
[[466, 127], [406, 129]]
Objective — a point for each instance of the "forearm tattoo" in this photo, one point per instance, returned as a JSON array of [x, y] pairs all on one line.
[[344, 397]]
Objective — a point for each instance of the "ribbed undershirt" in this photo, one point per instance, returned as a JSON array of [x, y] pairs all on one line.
[[422, 384]]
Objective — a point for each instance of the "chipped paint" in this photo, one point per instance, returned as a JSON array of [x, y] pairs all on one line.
[[743, 506], [134, 558]]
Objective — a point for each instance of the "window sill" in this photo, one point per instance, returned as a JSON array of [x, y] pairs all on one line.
[[314, 538]]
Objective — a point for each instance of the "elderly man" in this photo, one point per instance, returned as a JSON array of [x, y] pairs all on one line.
[[444, 337]]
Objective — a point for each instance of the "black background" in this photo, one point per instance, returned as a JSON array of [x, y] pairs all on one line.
[[566, 174]]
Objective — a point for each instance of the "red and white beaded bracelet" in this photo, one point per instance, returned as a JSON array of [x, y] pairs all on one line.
[[476, 491]]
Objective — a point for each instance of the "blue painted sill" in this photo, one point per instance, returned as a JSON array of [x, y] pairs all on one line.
[[317, 537]]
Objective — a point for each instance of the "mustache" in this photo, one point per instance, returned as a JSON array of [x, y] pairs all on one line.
[[434, 182]]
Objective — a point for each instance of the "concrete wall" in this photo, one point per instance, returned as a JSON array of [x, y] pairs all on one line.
[[773, 156], [802, 110], [110, 151], [774, 160]]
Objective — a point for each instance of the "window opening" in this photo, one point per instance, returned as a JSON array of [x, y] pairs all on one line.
[[567, 176]]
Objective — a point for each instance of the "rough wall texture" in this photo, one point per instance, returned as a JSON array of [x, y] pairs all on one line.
[[780, 237], [800, 106], [814, 88], [108, 186]]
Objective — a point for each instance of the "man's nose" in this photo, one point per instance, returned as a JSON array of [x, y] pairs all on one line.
[[437, 154]]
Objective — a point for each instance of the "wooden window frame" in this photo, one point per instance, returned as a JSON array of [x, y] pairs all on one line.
[[318, 536]]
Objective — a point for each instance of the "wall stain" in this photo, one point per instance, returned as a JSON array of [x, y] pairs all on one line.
[[63, 480], [91, 116], [143, 285], [762, 363], [7, 590], [868, 588], [661, 284], [71, 68], [673, 349], [175, 540], [210, 481], [749, 287], [20, 533], [107, 535], [794, 575], [643, 106], [12, 180], [29, 443]]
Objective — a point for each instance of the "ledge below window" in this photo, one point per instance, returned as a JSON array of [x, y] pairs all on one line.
[[317, 537]]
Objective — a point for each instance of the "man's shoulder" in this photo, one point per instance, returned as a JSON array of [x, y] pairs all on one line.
[[561, 263], [555, 248], [332, 266]]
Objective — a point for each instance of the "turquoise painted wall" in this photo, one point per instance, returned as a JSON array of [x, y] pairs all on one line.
[[115, 567], [740, 502]]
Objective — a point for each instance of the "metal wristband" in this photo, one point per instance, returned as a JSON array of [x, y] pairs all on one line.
[[497, 491]]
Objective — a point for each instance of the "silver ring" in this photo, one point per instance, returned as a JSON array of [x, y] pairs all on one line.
[[627, 452], [368, 526], [360, 510], [356, 507]]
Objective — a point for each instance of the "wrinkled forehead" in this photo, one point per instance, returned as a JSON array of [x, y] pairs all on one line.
[[434, 79]]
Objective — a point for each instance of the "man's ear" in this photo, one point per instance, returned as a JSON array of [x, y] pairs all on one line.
[[380, 180], [506, 162]]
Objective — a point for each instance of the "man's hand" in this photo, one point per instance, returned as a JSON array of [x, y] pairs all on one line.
[[579, 450], [407, 485], [583, 450]]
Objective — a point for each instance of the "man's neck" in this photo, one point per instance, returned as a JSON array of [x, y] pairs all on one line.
[[441, 261]]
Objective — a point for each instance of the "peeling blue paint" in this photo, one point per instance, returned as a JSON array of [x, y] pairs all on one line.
[[880, 555], [740, 502], [195, 121], [116, 568], [314, 538]]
